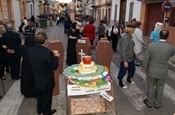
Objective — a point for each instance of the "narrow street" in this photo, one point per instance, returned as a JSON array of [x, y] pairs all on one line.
[[127, 101]]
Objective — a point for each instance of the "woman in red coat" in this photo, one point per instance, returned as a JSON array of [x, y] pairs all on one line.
[[89, 31]]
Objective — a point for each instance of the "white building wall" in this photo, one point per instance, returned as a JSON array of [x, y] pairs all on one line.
[[136, 10], [114, 3], [35, 9], [17, 14]]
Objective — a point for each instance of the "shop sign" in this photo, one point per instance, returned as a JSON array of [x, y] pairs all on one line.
[[73, 90], [166, 6]]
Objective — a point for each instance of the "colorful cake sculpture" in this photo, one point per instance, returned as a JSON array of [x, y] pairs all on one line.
[[87, 73], [87, 66]]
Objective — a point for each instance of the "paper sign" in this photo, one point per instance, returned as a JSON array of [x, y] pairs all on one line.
[[73, 90], [81, 41], [106, 95]]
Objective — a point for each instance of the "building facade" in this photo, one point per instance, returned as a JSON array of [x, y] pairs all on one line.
[[12, 11], [33, 8], [151, 13], [115, 11], [103, 10]]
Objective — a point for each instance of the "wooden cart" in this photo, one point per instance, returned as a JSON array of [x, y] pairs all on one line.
[[89, 103]]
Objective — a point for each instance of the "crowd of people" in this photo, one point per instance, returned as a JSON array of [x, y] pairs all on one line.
[[155, 63], [127, 40], [38, 62]]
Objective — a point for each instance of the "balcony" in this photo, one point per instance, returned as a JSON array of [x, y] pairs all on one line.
[[103, 3]]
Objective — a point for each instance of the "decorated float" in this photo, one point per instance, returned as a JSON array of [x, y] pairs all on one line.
[[90, 82]]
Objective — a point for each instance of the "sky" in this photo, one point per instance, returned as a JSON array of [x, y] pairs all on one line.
[[65, 1]]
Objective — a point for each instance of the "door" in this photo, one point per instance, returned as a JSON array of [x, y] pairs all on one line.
[[17, 14], [155, 14], [122, 10]]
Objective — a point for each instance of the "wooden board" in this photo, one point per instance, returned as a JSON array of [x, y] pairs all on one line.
[[57, 45], [84, 45], [104, 53]]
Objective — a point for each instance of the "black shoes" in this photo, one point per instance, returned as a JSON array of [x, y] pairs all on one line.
[[53, 111], [145, 102], [122, 85], [0, 97], [129, 81]]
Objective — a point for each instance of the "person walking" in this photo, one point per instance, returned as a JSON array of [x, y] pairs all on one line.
[[33, 19], [114, 33], [73, 35], [11, 43], [101, 30], [37, 21], [50, 20], [126, 52], [43, 63], [89, 31], [138, 41], [58, 20], [67, 24], [155, 65]]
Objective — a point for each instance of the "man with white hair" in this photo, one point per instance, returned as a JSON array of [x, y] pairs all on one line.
[[154, 36], [11, 43]]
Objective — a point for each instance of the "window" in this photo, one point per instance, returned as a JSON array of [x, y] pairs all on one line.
[[115, 15], [131, 10]]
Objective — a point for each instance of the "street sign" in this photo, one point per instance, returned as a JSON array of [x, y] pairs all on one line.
[[166, 6]]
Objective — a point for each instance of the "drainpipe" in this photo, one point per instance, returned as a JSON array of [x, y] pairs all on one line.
[[33, 7]]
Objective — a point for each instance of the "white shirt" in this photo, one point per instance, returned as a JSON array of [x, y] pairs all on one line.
[[25, 22], [138, 40], [58, 18], [115, 30]]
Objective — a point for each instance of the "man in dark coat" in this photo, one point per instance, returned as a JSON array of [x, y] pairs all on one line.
[[27, 84], [11, 42], [67, 24], [43, 63], [30, 29]]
